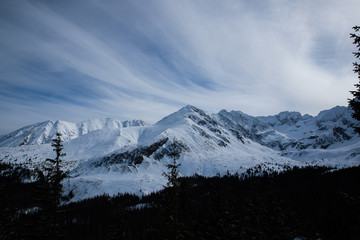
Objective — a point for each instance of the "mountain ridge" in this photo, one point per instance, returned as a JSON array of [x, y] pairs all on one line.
[[43, 132], [110, 156]]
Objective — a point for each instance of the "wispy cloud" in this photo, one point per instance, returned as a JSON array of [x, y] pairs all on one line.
[[76, 60]]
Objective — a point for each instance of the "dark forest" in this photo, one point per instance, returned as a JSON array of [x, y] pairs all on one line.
[[308, 203]]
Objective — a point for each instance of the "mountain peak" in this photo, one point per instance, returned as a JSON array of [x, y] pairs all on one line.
[[333, 113], [208, 144], [181, 115], [43, 132], [191, 108]]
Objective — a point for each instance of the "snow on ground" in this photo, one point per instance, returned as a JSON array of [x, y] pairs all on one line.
[[142, 180], [213, 144]]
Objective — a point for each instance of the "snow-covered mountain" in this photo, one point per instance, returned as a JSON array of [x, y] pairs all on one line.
[[43, 132], [109, 156]]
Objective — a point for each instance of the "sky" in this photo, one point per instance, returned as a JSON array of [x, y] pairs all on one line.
[[75, 60]]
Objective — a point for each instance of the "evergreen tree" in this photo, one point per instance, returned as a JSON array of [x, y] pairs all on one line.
[[355, 102], [173, 175], [171, 208], [55, 174], [52, 191]]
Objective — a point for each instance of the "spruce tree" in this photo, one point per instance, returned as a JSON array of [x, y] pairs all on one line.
[[355, 102], [55, 174], [52, 189], [171, 208], [173, 174]]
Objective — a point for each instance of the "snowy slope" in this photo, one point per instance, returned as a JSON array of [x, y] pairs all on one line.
[[290, 132], [206, 148], [43, 132], [109, 156]]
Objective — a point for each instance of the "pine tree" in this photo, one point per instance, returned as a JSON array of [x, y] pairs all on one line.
[[171, 208], [55, 174], [52, 191], [173, 175], [355, 102]]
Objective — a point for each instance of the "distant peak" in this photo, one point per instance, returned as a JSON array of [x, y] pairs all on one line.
[[190, 108], [337, 109], [334, 113], [287, 114], [134, 123], [182, 114]]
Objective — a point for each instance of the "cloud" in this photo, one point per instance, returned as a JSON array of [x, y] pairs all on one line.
[[271, 56], [133, 59]]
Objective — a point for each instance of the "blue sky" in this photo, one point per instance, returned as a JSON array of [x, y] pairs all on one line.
[[84, 59]]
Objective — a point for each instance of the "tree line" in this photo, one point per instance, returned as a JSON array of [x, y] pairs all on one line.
[[311, 202]]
